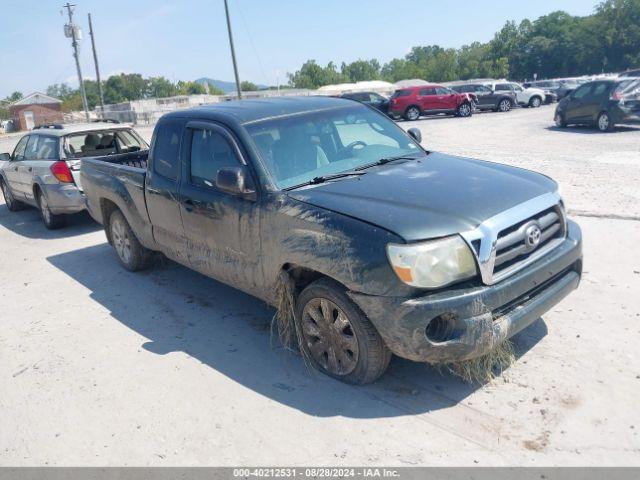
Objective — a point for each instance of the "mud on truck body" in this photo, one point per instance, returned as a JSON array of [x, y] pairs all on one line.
[[386, 247]]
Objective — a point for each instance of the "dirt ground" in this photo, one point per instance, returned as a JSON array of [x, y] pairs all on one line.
[[99, 366]]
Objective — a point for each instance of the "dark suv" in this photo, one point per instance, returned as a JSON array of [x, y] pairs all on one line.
[[410, 103], [487, 98], [372, 99], [602, 103]]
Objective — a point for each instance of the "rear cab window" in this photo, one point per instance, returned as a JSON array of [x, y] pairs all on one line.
[[102, 142]]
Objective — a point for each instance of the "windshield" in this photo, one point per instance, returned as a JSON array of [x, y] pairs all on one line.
[[299, 148]]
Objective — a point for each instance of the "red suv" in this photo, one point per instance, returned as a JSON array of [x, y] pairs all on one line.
[[412, 102]]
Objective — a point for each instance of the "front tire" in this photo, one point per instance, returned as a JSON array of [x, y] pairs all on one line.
[[535, 102], [560, 121], [13, 205], [605, 124], [412, 113], [465, 110], [131, 254], [337, 337], [51, 221]]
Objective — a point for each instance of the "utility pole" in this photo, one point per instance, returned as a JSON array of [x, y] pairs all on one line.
[[233, 52], [72, 31], [95, 60]]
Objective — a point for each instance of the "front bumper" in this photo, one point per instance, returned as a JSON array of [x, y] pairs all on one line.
[[479, 318], [64, 198]]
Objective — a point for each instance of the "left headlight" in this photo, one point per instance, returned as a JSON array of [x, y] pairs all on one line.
[[432, 264]]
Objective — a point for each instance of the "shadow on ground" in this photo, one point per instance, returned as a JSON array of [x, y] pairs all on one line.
[[27, 222], [587, 130], [179, 310]]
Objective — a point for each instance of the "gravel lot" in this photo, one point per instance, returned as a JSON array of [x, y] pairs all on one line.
[[99, 366]]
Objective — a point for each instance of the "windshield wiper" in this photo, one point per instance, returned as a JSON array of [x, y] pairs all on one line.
[[385, 160], [324, 178]]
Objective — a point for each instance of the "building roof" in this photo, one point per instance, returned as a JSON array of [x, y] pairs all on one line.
[[248, 111], [36, 98]]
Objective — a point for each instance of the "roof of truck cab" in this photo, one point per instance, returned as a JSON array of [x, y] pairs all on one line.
[[255, 110]]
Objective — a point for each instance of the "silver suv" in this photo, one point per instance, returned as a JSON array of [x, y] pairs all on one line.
[[44, 169]]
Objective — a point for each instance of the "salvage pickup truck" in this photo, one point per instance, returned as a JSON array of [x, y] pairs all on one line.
[[388, 248]]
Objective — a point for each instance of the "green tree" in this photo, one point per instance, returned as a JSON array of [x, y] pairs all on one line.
[[311, 75], [247, 86], [361, 70], [190, 88], [213, 90], [160, 87]]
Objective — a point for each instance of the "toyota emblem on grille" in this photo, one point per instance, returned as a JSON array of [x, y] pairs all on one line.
[[532, 236]]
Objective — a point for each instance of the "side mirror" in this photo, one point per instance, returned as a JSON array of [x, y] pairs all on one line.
[[415, 134], [5, 157], [235, 181]]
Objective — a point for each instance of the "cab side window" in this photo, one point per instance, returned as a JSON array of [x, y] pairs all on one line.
[[210, 152], [166, 148], [18, 152]]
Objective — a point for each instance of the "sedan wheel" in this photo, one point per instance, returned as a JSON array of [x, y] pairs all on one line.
[[50, 220], [504, 105]]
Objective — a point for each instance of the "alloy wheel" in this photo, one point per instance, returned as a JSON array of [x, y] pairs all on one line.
[[465, 110], [329, 336], [536, 102], [505, 106], [413, 113], [603, 122], [44, 208], [7, 195]]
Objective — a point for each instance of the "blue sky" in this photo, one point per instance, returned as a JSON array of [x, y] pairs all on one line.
[[187, 39]]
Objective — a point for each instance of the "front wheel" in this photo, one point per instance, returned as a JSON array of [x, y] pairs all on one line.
[[412, 113], [337, 337], [504, 105], [535, 102], [560, 121], [465, 110], [604, 122], [13, 205], [132, 255], [51, 221]]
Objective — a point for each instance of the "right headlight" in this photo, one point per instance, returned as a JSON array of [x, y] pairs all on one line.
[[432, 264]]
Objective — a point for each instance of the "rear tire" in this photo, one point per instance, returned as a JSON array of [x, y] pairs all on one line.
[[130, 252], [412, 113], [605, 124], [13, 205], [51, 221], [337, 337]]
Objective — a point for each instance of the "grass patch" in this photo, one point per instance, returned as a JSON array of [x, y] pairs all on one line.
[[486, 368]]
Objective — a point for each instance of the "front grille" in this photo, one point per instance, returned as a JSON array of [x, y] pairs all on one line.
[[517, 243]]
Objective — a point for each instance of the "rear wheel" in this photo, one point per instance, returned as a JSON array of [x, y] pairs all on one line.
[[337, 337], [13, 205], [412, 113], [51, 221], [465, 110], [504, 105], [605, 124], [132, 255], [535, 102]]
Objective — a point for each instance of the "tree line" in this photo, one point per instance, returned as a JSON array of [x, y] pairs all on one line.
[[554, 45]]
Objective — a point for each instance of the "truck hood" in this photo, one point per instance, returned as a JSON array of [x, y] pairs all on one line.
[[435, 196]]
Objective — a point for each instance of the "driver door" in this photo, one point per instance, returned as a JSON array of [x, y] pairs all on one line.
[[12, 170]]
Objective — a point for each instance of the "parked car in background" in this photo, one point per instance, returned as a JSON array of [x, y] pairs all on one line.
[[44, 169], [372, 99], [525, 97], [601, 103], [486, 98], [331, 209], [630, 73], [561, 88], [410, 103]]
